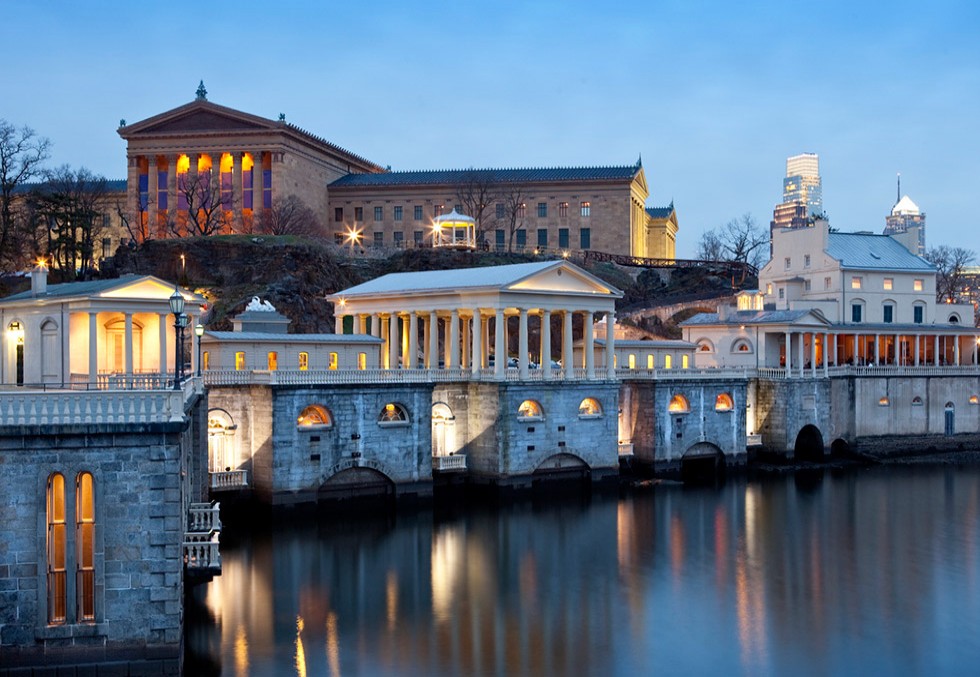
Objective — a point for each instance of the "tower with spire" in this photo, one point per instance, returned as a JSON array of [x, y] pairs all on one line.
[[906, 222]]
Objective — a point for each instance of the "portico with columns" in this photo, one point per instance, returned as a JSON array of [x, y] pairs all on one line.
[[465, 320]]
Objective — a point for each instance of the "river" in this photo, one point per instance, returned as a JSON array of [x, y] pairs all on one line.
[[867, 571]]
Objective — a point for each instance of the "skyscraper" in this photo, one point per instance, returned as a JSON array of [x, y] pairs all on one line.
[[907, 223], [802, 193]]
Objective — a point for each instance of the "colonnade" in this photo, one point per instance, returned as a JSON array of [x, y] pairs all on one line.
[[466, 340], [165, 329]]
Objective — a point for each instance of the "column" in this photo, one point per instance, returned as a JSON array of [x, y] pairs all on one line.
[[393, 341], [433, 340], [801, 355], [499, 346], [935, 353], [376, 325], [162, 334], [93, 348], [133, 186], [477, 350], [588, 345], [257, 182], [567, 361], [129, 343], [877, 349], [916, 360], [485, 331], [789, 354], [171, 189], [404, 323], [956, 350], [236, 193], [813, 354], [413, 340], [362, 323], [546, 344], [610, 344], [453, 361], [836, 358], [522, 347], [826, 357], [189, 331], [383, 330], [338, 323], [975, 347], [465, 348], [153, 185]]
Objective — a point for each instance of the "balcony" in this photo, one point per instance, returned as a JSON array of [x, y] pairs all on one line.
[[454, 463], [202, 555], [625, 449], [228, 480]]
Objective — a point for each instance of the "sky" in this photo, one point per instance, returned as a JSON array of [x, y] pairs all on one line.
[[714, 96]]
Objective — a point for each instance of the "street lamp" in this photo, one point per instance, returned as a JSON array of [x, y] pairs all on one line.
[[199, 332], [177, 308]]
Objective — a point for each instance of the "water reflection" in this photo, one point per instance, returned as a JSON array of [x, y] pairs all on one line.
[[869, 570]]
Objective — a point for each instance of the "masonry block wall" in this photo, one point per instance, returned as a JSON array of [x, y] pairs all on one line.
[[140, 515], [784, 407]]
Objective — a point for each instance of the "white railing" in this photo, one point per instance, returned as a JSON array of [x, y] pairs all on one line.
[[753, 440], [229, 479], [454, 462], [204, 517], [202, 551], [625, 448]]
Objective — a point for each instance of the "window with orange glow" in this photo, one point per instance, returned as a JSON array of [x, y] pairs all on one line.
[[393, 413], [85, 545], [590, 408], [724, 402], [362, 361], [57, 547], [273, 361], [304, 361], [239, 361], [678, 405], [314, 415], [334, 361], [530, 409]]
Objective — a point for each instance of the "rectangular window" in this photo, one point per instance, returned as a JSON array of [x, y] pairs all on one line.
[[225, 179], [521, 210], [631, 361], [917, 285], [398, 213], [542, 210], [239, 361], [500, 210], [501, 239], [437, 210], [334, 361], [769, 289], [855, 282], [787, 262], [856, 312], [917, 314], [650, 363], [684, 362], [806, 260], [338, 214], [417, 212], [562, 210], [379, 239], [782, 292], [267, 189], [57, 544], [827, 283], [162, 191], [586, 208], [888, 283], [362, 361], [85, 545], [563, 238], [585, 238], [304, 361], [888, 313], [144, 183], [399, 238], [542, 237], [379, 213], [272, 360], [247, 179], [206, 360], [806, 285], [339, 238], [668, 362], [358, 214], [521, 239], [418, 236]]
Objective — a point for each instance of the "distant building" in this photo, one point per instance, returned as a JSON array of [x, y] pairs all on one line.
[[802, 193], [907, 224]]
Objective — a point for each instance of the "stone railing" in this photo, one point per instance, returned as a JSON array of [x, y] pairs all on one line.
[[228, 479], [231, 377], [204, 517], [202, 538], [753, 440], [454, 462], [625, 448]]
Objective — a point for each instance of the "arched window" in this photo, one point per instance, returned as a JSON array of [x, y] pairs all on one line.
[[85, 546], [685, 363], [724, 402], [221, 447], [884, 401], [57, 547], [668, 361], [705, 346], [393, 414], [678, 405], [206, 360], [650, 362], [631, 361], [974, 399], [741, 346], [954, 318], [916, 401], [529, 409], [314, 416], [589, 408]]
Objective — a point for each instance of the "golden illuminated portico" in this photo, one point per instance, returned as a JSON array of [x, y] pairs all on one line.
[[459, 319]]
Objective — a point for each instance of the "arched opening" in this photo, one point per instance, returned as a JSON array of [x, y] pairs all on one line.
[[809, 445], [115, 331], [678, 405], [529, 410], [702, 462], [393, 414], [221, 442], [443, 430], [589, 408], [949, 413], [50, 357], [315, 416], [840, 448], [741, 346], [561, 467], [724, 402], [354, 483]]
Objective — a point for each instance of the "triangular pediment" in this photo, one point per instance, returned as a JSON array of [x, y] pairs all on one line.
[[203, 121], [564, 278], [146, 289], [641, 180], [197, 117]]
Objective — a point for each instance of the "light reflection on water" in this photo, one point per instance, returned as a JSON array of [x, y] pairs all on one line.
[[874, 570]]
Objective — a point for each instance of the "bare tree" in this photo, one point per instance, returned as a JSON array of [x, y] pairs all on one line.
[[201, 191], [22, 152], [70, 206], [740, 240], [476, 191], [513, 198], [710, 247], [950, 263], [291, 216]]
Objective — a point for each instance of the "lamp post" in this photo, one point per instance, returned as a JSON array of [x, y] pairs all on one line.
[[177, 308], [198, 332]]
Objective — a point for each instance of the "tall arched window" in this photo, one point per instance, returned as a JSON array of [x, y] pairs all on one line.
[[85, 545], [57, 547]]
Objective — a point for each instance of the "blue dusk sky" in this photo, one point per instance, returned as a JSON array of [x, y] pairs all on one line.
[[713, 95]]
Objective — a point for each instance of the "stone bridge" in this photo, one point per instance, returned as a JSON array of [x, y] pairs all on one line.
[[667, 312]]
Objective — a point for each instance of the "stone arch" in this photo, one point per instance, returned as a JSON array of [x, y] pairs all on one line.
[[702, 461], [809, 444], [742, 345], [222, 454], [443, 430], [840, 448], [355, 481], [563, 463], [704, 345]]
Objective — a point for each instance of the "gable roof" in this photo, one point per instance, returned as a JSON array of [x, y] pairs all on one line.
[[741, 317], [661, 212], [113, 288], [866, 251], [521, 175], [514, 276]]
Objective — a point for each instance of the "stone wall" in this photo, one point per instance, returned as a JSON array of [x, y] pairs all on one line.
[[784, 407]]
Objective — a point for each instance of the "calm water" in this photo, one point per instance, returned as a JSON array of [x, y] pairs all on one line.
[[865, 572]]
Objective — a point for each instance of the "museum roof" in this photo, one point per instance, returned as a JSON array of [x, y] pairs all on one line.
[[877, 252], [661, 212], [517, 175], [111, 186]]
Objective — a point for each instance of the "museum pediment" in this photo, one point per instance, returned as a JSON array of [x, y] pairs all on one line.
[[198, 117]]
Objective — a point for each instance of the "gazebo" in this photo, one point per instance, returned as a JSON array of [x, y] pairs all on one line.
[[454, 230]]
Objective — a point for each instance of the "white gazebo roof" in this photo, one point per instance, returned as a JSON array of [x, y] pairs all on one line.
[[454, 217]]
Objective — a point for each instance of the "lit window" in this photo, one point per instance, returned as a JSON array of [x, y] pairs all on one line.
[[333, 362], [684, 362], [239, 361], [855, 282], [521, 210], [650, 362], [206, 360], [304, 361], [741, 346], [668, 361], [393, 413], [314, 415], [85, 544], [272, 361], [631, 361], [704, 346], [362, 361], [586, 208], [589, 407], [57, 551], [974, 399], [724, 402], [769, 289], [529, 409], [678, 405], [884, 402], [562, 209], [888, 283], [917, 285]]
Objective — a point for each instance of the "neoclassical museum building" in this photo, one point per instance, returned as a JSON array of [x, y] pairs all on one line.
[[202, 168]]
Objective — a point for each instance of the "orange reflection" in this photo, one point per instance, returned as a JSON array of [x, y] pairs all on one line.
[[300, 652], [333, 644], [241, 651], [391, 599]]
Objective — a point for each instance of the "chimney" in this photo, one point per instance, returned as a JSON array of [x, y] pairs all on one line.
[[39, 279]]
